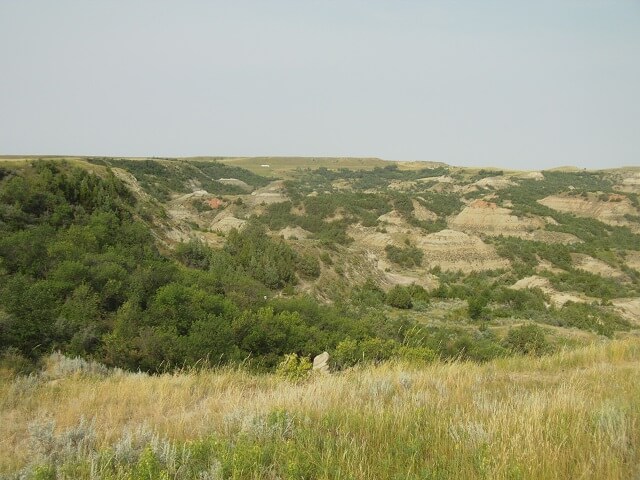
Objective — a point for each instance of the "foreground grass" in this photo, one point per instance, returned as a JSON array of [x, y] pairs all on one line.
[[575, 414]]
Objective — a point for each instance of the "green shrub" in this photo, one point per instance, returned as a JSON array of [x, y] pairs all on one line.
[[477, 306], [269, 261], [590, 317], [486, 173], [520, 300], [403, 204], [407, 257], [347, 353], [160, 178], [309, 266], [527, 339], [399, 297], [293, 367], [326, 258], [194, 254], [416, 355], [592, 285], [367, 295], [200, 205]]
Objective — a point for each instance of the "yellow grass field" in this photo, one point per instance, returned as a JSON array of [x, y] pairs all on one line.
[[574, 414]]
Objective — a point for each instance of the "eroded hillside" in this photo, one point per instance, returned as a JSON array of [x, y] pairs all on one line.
[[571, 235], [135, 261]]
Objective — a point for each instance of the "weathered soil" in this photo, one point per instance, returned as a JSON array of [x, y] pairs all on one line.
[[272, 193], [632, 259], [454, 250], [494, 182], [293, 233], [235, 182], [423, 213], [630, 184], [557, 298], [611, 211], [628, 308], [533, 176], [486, 217], [394, 218], [597, 267]]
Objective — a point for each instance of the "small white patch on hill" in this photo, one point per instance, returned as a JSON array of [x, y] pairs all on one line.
[[224, 222], [428, 282], [289, 233], [533, 176], [494, 182], [236, 182], [390, 274]]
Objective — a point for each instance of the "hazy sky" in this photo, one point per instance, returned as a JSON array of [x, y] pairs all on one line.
[[528, 84]]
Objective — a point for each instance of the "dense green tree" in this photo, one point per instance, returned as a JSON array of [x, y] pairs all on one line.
[[269, 261], [407, 257], [399, 297], [527, 339], [477, 306], [309, 266]]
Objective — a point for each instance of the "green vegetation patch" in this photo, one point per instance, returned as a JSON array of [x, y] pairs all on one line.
[[161, 178], [407, 257]]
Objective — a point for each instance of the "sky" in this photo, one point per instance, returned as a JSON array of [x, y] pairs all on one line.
[[512, 84]]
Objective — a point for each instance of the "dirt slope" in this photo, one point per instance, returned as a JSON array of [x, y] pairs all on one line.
[[608, 208], [488, 218], [454, 250], [597, 267], [557, 298]]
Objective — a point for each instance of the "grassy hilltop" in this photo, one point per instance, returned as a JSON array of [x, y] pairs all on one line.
[[481, 323]]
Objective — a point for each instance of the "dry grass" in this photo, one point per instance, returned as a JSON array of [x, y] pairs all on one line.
[[575, 414], [285, 167]]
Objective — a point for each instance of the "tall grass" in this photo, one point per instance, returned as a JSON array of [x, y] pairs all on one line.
[[574, 414]]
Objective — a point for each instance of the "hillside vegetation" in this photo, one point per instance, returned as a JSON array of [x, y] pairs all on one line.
[[159, 317], [154, 264]]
